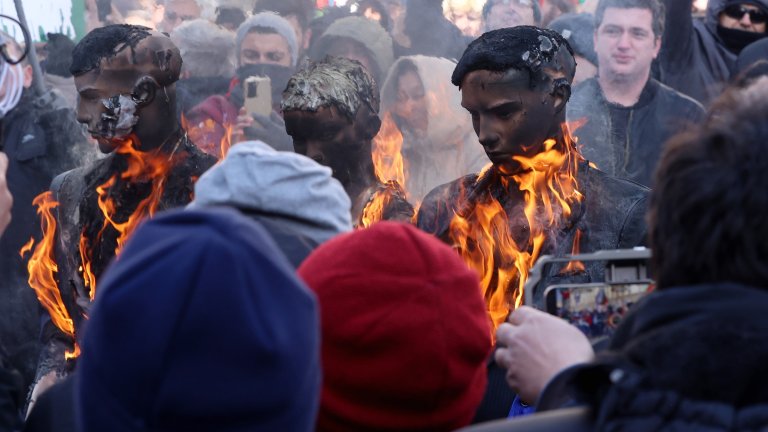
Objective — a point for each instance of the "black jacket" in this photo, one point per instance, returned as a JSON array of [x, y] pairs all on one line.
[[685, 358], [40, 143], [694, 59], [632, 154]]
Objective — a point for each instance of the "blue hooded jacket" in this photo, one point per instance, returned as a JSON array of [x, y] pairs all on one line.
[[200, 325]]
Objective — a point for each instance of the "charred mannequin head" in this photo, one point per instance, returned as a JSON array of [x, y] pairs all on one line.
[[515, 83], [124, 73], [331, 112]]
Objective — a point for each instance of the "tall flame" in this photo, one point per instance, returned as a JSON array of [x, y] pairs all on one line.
[[141, 167], [150, 167], [483, 237], [42, 267], [389, 168]]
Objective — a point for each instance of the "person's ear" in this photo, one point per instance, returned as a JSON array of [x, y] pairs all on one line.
[[561, 92], [28, 75], [144, 91], [656, 46]]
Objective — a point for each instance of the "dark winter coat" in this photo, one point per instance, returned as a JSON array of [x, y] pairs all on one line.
[[685, 358], [694, 59], [40, 143], [659, 114]]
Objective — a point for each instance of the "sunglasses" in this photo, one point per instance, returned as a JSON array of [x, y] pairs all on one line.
[[737, 12]]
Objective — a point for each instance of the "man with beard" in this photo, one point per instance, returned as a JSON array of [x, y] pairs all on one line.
[[125, 78], [539, 196], [697, 57], [331, 112]]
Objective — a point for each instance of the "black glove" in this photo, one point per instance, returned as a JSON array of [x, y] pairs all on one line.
[[270, 130]]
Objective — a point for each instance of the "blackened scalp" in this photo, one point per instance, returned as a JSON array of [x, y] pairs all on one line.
[[523, 48], [105, 42]]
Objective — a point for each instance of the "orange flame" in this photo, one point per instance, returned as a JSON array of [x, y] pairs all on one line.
[[27, 247], [484, 239], [141, 167], [210, 136], [389, 168], [42, 268], [387, 152], [575, 266]]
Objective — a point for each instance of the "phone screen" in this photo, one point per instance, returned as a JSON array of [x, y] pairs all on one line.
[[595, 309]]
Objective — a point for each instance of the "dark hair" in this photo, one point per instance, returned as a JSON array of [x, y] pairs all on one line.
[[655, 6], [105, 42], [233, 15], [58, 58], [526, 48], [301, 9], [378, 7], [707, 210], [489, 4]]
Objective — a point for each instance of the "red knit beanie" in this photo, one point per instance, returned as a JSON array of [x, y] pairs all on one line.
[[405, 335]]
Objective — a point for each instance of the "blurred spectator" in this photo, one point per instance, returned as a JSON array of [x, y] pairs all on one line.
[[552, 9], [465, 14], [629, 115], [392, 358], [579, 31], [230, 14], [331, 112], [439, 144], [697, 57], [252, 349], [297, 13], [265, 45], [510, 13], [176, 12], [58, 58], [266, 38], [430, 33], [320, 24], [374, 10], [360, 39], [40, 140], [296, 200], [209, 61]]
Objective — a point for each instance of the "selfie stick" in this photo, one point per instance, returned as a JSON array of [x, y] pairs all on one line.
[[37, 82]]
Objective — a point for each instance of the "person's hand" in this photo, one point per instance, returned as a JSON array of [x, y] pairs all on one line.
[[271, 130], [535, 346], [6, 200], [243, 121]]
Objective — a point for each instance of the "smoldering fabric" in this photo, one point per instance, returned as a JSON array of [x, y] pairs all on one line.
[[522, 48], [333, 82], [120, 118]]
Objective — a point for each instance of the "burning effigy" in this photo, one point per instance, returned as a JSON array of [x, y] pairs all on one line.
[[539, 196], [125, 76], [331, 112]]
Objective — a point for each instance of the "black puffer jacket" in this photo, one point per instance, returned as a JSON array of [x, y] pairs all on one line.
[[659, 114], [686, 358], [694, 58]]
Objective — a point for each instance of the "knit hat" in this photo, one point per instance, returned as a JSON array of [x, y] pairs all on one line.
[[200, 325], [579, 31], [405, 335], [254, 176], [272, 21], [366, 32]]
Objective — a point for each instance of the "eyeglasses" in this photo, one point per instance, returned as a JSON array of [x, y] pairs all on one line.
[[738, 11]]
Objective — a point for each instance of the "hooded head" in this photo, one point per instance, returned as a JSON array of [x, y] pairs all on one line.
[[733, 38], [263, 38], [200, 324], [361, 39], [404, 329], [289, 186]]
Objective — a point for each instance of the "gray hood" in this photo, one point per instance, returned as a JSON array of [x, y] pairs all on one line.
[[284, 185]]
